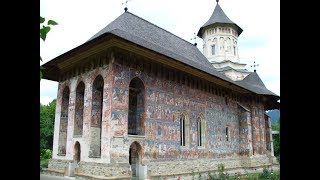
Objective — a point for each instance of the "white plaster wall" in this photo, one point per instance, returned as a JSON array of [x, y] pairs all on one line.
[[229, 63], [71, 116], [57, 124], [235, 75], [223, 54]]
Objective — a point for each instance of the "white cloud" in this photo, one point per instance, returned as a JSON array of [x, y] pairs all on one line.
[[48, 91], [45, 100], [81, 19]]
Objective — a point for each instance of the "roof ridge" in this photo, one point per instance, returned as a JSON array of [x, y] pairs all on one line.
[[158, 26]]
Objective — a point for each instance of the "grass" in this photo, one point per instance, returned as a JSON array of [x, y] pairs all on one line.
[[256, 176]]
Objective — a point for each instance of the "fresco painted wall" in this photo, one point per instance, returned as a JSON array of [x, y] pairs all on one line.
[[165, 101], [105, 133], [78, 121], [64, 121]]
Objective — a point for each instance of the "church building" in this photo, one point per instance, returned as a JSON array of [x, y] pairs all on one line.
[[138, 101]]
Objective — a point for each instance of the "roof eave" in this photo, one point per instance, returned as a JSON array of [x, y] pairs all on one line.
[[51, 70]]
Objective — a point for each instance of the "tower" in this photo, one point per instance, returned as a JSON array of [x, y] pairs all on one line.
[[220, 44]]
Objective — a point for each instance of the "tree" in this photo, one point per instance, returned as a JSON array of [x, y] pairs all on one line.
[[276, 139], [47, 116], [43, 34]]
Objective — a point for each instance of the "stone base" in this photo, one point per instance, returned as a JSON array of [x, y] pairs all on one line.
[[174, 168], [184, 169], [103, 171], [57, 167]]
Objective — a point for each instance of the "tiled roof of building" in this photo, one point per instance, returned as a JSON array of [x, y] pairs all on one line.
[[253, 83], [219, 17]]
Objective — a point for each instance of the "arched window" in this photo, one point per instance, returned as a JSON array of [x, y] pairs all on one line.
[[227, 134], [213, 49], [221, 40], [182, 131], [78, 120], [136, 107], [96, 117], [199, 132], [63, 122]]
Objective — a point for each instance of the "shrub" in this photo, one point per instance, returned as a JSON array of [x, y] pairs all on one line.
[[266, 174], [222, 175], [46, 154]]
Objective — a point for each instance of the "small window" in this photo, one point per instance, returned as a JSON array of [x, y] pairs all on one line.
[[227, 133], [234, 50], [159, 130], [213, 49], [182, 131], [199, 132]]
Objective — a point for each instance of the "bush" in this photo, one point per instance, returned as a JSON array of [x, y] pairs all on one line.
[[44, 163], [46, 154], [269, 174], [222, 175]]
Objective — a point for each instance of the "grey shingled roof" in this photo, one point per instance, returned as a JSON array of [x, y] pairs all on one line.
[[141, 32], [219, 17], [253, 83], [150, 36]]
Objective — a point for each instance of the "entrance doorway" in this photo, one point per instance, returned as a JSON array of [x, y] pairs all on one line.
[[77, 152], [135, 152]]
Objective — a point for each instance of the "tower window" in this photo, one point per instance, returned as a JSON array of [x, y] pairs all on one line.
[[234, 50], [213, 49]]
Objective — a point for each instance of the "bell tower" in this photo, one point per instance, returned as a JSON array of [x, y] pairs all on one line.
[[220, 44]]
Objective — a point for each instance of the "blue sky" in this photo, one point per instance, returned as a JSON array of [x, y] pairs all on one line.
[[81, 19]]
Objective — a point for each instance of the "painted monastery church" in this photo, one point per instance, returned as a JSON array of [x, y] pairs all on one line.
[[138, 101]]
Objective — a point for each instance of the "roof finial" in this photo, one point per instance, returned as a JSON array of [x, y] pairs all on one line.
[[217, 1], [125, 9], [195, 39], [254, 65]]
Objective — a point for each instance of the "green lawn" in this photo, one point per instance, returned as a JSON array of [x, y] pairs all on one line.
[[257, 176]]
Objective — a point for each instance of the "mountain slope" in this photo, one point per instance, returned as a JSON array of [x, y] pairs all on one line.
[[274, 115]]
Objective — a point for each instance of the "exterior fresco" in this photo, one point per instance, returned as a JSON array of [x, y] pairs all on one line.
[[63, 122], [165, 102], [258, 130], [78, 121], [96, 117], [165, 99], [244, 130], [136, 107], [219, 116]]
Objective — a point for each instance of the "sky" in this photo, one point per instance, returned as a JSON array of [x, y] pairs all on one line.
[[79, 20]]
